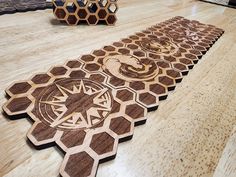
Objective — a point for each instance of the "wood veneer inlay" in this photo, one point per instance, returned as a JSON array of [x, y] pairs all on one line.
[[88, 105]]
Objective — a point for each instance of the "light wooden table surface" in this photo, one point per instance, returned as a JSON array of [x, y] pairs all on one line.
[[185, 137]]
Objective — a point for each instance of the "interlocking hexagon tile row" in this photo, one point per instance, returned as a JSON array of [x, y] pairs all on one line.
[[12, 6], [88, 105], [74, 12]]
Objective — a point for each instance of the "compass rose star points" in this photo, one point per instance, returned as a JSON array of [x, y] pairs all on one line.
[[79, 105]]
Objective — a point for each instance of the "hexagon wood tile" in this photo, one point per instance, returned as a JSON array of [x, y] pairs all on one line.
[[88, 105], [74, 12]]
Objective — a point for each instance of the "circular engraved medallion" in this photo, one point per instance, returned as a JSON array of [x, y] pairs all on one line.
[[193, 26], [130, 68], [182, 34], [162, 45], [73, 104], [186, 31]]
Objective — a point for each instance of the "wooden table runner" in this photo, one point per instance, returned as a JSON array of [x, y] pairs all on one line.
[[12, 6], [88, 105]]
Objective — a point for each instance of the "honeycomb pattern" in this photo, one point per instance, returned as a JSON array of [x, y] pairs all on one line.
[[87, 106], [149, 90], [90, 144], [92, 12], [174, 46]]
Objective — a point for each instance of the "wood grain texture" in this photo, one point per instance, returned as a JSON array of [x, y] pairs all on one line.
[[86, 110], [226, 166], [187, 124], [75, 12]]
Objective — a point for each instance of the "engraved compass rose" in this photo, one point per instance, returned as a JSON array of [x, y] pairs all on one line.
[[74, 104]]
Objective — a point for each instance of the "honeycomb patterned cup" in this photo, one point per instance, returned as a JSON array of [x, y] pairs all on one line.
[[75, 12]]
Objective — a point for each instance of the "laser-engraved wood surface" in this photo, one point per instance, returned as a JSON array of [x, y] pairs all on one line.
[[87, 106], [75, 12], [184, 137]]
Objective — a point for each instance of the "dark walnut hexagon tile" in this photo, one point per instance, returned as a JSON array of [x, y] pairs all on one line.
[[87, 106], [76, 110], [92, 12]]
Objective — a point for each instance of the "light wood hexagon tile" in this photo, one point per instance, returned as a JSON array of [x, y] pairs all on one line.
[[88, 105]]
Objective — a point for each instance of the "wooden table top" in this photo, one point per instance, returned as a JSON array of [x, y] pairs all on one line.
[[184, 137]]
